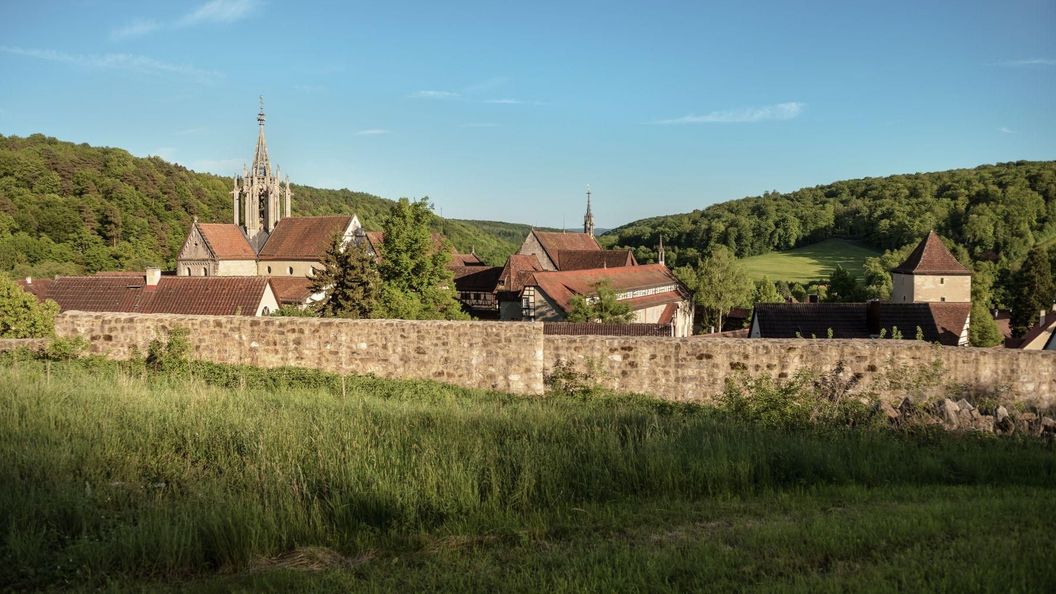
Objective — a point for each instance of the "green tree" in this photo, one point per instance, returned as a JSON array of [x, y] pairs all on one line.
[[602, 307], [21, 315], [983, 330], [843, 286], [1033, 289], [349, 281], [766, 292], [417, 285], [719, 283]]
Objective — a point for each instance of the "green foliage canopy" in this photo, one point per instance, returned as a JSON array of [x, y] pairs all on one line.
[[603, 307]]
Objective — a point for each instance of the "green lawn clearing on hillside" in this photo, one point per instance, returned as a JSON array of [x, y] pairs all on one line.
[[811, 262], [222, 478]]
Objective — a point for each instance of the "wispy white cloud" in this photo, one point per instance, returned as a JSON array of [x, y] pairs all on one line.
[[744, 115], [1029, 62], [128, 62], [373, 132], [219, 11], [486, 85], [435, 95], [1005, 130], [135, 28], [505, 101]]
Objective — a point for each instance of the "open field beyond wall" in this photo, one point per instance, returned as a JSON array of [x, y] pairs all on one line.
[[810, 262], [286, 480]]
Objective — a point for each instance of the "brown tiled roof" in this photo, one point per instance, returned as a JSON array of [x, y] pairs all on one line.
[[517, 271], [38, 287], [291, 289], [563, 285], [596, 329], [940, 322], [554, 242], [806, 320], [477, 278], [465, 260], [303, 238], [212, 295], [206, 295], [931, 257], [584, 259], [226, 241], [1045, 331], [668, 314]]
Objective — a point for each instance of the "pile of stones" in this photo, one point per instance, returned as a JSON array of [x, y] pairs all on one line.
[[963, 416]]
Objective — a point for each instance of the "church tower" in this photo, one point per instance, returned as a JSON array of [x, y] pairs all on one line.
[[260, 198], [588, 219]]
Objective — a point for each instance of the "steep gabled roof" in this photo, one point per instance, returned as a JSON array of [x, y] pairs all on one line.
[[226, 241], [586, 259], [561, 286], [553, 242], [303, 238], [516, 272], [931, 257]]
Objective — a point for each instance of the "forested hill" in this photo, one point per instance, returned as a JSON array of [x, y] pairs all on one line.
[[70, 208], [995, 212]]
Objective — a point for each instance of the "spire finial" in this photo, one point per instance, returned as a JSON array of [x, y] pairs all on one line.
[[260, 114]]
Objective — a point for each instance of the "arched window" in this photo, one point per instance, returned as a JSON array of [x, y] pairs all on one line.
[[205, 271], [188, 271], [291, 270], [269, 269], [266, 311]]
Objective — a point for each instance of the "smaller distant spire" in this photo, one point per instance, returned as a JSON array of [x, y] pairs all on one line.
[[588, 218], [660, 250]]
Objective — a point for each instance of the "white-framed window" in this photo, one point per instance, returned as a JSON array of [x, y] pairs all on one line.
[[528, 303]]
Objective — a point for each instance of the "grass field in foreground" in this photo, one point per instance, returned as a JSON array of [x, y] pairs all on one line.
[[811, 262], [126, 480]]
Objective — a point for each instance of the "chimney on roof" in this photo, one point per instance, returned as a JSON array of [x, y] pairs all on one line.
[[153, 276]]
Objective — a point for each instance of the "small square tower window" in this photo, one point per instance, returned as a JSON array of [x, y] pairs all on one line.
[[942, 281]]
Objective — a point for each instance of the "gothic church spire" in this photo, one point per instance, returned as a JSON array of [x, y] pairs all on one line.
[[588, 219]]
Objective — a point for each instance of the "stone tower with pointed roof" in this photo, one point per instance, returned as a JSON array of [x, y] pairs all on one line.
[[931, 274], [588, 219], [260, 198]]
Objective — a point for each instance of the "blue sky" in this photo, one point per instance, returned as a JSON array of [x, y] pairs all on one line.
[[507, 110]]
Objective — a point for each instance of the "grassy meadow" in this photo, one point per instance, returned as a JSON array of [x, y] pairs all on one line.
[[116, 478], [810, 262]]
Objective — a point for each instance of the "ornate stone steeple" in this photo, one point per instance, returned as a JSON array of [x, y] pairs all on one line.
[[588, 219], [260, 198]]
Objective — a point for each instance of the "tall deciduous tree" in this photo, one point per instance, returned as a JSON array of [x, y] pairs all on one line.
[[719, 283], [602, 308], [766, 292], [1033, 289], [843, 287], [21, 315], [349, 282], [416, 283]]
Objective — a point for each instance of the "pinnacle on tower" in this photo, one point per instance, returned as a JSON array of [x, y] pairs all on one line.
[[588, 218]]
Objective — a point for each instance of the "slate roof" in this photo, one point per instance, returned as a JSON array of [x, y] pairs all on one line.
[[792, 320], [291, 289], [226, 241], [303, 238], [561, 286], [939, 322], [517, 271], [586, 259], [931, 257], [213, 295]]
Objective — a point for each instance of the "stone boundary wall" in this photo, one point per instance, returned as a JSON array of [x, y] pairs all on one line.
[[695, 369], [513, 356], [491, 355], [13, 344]]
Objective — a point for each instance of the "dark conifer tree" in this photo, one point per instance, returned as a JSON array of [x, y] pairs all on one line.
[[349, 280]]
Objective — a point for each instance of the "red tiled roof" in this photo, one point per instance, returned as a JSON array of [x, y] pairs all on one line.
[[563, 285], [38, 288], [668, 313], [554, 242], [931, 257], [303, 238], [602, 329], [212, 295], [585, 259], [647, 301], [466, 260], [291, 289], [226, 241], [516, 272]]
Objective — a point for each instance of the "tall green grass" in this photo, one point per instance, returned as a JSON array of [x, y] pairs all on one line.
[[107, 471]]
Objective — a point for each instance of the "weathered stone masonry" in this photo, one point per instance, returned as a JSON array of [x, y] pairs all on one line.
[[513, 357]]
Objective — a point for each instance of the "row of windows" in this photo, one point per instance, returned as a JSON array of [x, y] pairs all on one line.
[[289, 271]]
